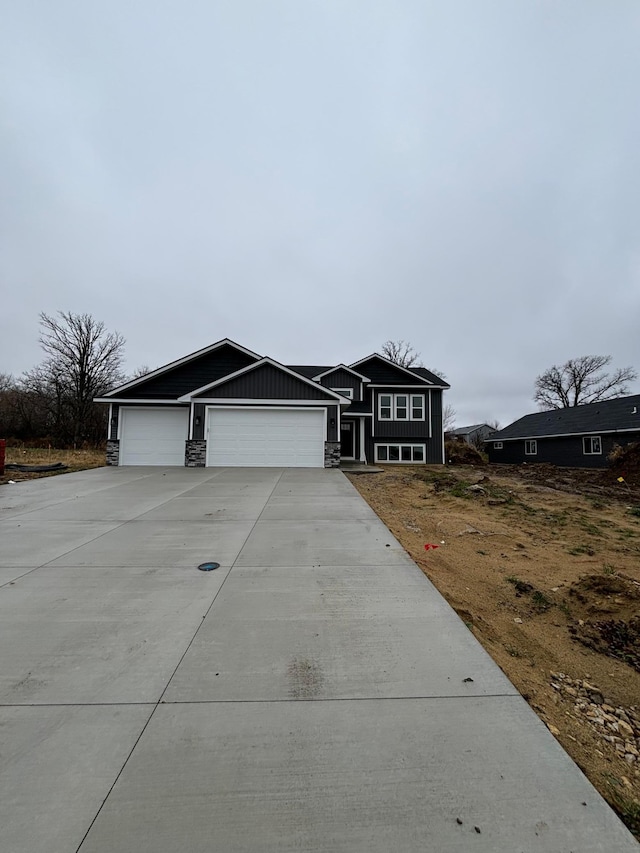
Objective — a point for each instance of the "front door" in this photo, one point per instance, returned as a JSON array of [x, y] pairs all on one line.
[[346, 440]]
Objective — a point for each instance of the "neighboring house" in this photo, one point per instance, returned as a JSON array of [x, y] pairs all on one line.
[[228, 406], [579, 436], [474, 434]]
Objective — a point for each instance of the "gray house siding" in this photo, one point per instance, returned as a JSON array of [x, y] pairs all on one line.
[[113, 424], [332, 423], [198, 414], [266, 383], [343, 379], [193, 374], [408, 432], [565, 451]]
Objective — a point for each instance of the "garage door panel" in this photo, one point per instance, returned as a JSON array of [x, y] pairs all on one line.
[[153, 436], [267, 438]]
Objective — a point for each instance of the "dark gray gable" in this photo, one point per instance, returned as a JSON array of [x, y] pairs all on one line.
[[608, 416], [266, 382], [190, 375], [380, 372], [340, 378]]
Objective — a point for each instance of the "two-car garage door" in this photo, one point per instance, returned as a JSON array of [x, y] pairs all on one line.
[[292, 438], [257, 437]]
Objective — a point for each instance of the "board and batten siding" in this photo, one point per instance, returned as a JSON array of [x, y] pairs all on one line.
[[191, 375], [409, 432], [343, 379], [266, 383]]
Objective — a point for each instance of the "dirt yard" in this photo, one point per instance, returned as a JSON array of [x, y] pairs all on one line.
[[74, 460], [543, 565]]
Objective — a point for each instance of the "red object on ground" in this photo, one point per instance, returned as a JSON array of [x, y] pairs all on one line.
[[429, 546], [3, 444]]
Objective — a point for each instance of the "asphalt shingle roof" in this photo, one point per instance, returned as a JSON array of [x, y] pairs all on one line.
[[622, 413]]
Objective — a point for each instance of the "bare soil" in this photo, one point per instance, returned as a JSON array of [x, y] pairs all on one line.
[[543, 565], [75, 460]]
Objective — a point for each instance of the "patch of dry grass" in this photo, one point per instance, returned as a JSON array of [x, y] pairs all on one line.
[[75, 460]]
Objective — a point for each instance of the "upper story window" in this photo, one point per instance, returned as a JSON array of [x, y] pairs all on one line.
[[497, 445], [591, 445], [401, 407], [346, 392], [531, 447]]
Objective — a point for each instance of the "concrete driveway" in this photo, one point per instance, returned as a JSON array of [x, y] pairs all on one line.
[[314, 693]]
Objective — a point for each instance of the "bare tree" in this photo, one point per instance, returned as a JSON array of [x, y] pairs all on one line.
[[494, 424], [401, 353], [83, 361], [581, 380], [448, 418], [139, 372]]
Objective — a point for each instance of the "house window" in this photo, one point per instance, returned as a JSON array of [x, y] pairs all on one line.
[[497, 445], [346, 392], [399, 453], [401, 407], [385, 403], [530, 447], [591, 445]]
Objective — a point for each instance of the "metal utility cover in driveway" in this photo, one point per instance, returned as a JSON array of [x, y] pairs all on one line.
[[312, 693]]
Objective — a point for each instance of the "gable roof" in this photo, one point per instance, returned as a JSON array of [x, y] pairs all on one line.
[[329, 370], [467, 429], [619, 415], [320, 389], [141, 380], [384, 372]]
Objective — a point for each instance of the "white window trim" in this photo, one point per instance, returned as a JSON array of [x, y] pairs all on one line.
[[400, 445], [394, 407], [346, 392], [528, 443], [590, 439], [498, 445]]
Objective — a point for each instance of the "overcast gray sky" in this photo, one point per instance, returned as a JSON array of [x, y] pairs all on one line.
[[312, 177]]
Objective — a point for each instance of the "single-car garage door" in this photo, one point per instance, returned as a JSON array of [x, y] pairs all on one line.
[[290, 438], [153, 436]]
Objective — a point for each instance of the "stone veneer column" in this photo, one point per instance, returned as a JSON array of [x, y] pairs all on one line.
[[113, 451], [332, 454], [195, 453]]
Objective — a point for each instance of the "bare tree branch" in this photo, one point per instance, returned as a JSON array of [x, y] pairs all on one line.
[[448, 418], [581, 380], [401, 353]]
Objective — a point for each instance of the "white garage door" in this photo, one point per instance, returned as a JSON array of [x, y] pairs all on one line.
[[153, 436], [266, 438]]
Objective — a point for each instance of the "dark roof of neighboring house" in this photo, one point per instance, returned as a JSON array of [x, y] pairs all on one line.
[[621, 414], [467, 429]]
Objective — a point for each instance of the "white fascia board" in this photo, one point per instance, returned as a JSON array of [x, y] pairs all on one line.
[[562, 434], [425, 387], [187, 398], [128, 401], [357, 414], [340, 367], [260, 403], [392, 364], [184, 360]]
